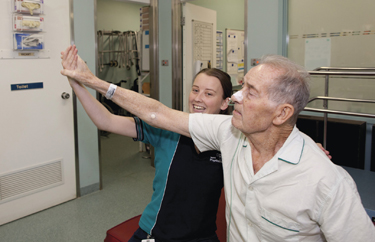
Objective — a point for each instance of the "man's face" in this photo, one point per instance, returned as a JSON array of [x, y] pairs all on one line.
[[255, 112]]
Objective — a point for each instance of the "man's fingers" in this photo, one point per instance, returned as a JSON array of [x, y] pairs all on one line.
[[74, 64], [69, 59], [66, 52], [70, 55]]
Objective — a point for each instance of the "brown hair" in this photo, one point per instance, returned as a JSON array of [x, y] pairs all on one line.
[[224, 79]]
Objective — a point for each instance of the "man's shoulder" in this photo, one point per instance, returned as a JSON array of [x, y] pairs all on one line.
[[316, 160]]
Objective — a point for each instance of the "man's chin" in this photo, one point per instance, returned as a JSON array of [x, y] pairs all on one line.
[[235, 122]]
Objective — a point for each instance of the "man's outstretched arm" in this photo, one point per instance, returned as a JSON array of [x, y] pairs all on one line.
[[149, 110]]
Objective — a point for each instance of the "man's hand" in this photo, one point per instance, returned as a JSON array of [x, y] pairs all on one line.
[[74, 67], [68, 62], [324, 150], [69, 58]]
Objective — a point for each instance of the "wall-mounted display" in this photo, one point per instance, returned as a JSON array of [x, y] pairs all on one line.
[[219, 49], [235, 51], [28, 41], [27, 23], [29, 6], [203, 42], [28, 26]]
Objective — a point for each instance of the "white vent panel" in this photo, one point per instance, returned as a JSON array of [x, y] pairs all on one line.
[[27, 181]]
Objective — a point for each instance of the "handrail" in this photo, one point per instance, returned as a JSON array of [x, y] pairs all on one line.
[[330, 68], [342, 99], [339, 71], [340, 112]]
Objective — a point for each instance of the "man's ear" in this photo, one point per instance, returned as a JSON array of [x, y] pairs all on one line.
[[283, 113], [225, 104]]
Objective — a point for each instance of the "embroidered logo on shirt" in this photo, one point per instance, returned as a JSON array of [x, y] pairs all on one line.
[[216, 158]]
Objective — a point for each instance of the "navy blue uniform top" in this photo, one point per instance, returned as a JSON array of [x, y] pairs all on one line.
[[187, 187]]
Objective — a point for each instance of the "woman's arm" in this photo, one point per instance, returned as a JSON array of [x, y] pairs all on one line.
[[100, 116], [149, 110]]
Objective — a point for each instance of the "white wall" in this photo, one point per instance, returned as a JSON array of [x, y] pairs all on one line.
[[264, 28], [347, 50]]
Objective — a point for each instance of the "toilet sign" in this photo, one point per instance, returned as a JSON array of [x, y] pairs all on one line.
[[24, 86]]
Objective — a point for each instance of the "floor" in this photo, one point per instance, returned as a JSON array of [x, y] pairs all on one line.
[[127, 187]]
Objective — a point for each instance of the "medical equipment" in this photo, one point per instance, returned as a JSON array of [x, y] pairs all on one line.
[[117, 49]]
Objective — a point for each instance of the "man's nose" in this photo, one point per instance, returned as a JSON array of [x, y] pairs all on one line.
[[237, 97]]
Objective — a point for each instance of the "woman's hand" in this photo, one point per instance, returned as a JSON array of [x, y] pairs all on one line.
[[324, 150]]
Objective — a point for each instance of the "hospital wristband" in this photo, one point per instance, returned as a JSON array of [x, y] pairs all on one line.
[[111, 91]]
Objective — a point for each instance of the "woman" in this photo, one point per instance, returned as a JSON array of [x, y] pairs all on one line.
[[187, 183]]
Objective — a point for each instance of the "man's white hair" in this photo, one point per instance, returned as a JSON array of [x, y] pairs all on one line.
[[291, 86]]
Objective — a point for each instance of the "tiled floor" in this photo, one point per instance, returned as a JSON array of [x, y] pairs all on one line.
[[127, 188]]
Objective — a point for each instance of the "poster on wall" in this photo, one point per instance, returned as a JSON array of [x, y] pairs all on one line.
[[202, 45], [317, 53], [235, 55]]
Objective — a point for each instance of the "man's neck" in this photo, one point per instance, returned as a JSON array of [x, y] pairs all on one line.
[[265, 145]]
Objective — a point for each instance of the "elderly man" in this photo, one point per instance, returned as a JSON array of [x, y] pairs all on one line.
[[279, 185]]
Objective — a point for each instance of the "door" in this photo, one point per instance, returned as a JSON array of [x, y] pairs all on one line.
[[37, 159], [199, 44]]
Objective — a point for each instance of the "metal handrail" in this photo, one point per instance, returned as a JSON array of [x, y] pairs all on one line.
[[342, 99], [340, 112], [344, 68], [339, 71]]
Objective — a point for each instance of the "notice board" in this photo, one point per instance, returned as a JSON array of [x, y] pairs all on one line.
[[235, 54]]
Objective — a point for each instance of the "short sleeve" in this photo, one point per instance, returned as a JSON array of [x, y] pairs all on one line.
[[208, 130], [151, 135]]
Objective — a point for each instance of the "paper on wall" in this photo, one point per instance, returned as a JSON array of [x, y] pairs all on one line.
[[232, 56], [317, 53]]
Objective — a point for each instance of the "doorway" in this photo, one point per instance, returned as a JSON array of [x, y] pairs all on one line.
[[118, 33]]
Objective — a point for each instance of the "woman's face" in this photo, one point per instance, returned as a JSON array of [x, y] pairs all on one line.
[[206, 95]]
